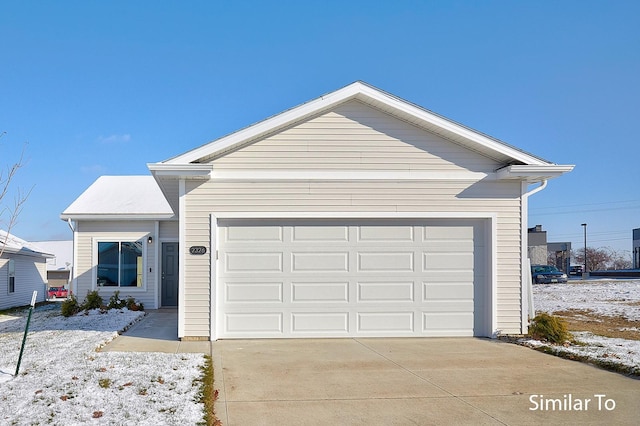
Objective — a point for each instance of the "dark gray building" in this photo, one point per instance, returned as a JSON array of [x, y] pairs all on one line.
[[561, 254], [636, 248]]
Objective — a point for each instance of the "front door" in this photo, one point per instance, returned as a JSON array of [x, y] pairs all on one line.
[[169, 284]]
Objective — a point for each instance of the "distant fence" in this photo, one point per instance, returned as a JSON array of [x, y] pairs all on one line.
[[622, 273]]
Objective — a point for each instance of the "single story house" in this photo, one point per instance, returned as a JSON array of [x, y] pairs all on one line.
[[60, 265], [23, 270], [355, 214]]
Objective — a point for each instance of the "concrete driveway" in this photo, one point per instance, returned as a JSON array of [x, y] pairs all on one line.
[[412, 381]]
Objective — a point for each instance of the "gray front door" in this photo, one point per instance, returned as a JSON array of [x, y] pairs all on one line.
[[169, 284]]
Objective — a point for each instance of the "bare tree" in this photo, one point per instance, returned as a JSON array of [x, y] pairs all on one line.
[[621, 260], [599, 259], [9, 211]]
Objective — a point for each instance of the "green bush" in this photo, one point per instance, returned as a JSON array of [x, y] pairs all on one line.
[[70, 306], [92, 301], [115, 302], [550, 328], [132, 305]]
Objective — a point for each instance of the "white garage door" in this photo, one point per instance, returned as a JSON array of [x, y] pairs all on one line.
[[342, 278]]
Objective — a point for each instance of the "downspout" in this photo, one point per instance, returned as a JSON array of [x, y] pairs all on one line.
[[72, 278], [527, 287]]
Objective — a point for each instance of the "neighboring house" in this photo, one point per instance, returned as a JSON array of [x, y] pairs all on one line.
[[355, 214], [60, 265], [22, 271]]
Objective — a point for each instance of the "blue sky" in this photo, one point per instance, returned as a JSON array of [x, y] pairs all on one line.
[[95, 88]]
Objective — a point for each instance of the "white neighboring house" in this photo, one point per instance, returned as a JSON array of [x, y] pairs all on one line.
[[357, 214], [59, 267], [22, 271]]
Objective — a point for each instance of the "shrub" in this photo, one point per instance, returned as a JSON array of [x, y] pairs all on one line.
[[550, 328], [70, 306], [115, 302], [132, 305], [92, 301]]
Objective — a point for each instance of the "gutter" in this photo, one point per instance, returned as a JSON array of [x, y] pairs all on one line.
[[527, 286]]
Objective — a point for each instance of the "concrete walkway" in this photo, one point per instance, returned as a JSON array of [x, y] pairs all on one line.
[[156, 332], [436, 381]]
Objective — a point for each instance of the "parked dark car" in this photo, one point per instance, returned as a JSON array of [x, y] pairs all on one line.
[[547, 274], [55, 292], [575, 270]]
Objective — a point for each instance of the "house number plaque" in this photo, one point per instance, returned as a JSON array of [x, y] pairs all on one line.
[[197, 250]]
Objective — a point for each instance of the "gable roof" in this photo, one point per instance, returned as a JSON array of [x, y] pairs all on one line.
[[120, 197], [9, 243], [191, 162]]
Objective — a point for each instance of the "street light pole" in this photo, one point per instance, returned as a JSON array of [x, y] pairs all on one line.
[[585, 273]]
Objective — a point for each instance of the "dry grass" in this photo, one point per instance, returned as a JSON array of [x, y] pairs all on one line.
[[607, 326]]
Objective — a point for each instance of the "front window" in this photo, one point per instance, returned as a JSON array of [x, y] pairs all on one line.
[[120, 264], [12, 276]]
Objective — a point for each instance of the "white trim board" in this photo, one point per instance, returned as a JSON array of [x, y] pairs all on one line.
[[491, 231]]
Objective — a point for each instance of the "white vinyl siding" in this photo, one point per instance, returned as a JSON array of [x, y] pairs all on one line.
[[30, 276], [90, 233], [355, 136], [503, 198]]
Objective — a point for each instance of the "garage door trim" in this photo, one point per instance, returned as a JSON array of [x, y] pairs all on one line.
[[490, 231]]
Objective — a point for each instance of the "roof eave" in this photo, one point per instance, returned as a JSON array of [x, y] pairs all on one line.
[[115, 216], [533, 173], [181, 170]]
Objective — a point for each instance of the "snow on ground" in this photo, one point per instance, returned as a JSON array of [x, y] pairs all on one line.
[[63, 380], [605, 298]]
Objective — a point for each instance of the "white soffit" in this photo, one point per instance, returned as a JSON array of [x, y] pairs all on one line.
[[532, 173]]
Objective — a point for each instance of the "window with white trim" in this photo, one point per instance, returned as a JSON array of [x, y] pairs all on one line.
[[119, 264], [12, 276]]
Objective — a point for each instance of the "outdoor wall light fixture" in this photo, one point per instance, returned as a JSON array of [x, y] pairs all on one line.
[[150, 239]]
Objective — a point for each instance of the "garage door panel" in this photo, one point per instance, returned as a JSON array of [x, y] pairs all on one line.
[[324, 233], [253, 234], [250, 324], [442, 246], [385, 261], [339, 278], [320, 262], [385, 233], [384, 322], [447, 291], [320, 322], [447, 323], [319, 292], [252, 292], [253, 262], [451, 261], [448, 233], [385, 292]]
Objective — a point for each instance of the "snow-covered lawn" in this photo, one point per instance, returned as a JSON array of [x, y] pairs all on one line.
[[63, 380], [605, 298]]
